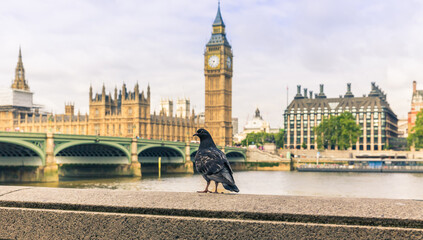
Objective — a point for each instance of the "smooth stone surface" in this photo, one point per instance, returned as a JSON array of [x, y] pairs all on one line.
[[4, 190], [57, 224], [266, 204], [60, 213]]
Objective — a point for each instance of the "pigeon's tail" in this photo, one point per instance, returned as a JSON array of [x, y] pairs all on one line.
[[231, 187]]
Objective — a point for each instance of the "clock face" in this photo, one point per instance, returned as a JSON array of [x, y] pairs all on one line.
[[228, 62], [213, 61]]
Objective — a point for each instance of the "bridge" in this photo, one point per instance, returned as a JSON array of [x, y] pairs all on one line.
[[45, 156]]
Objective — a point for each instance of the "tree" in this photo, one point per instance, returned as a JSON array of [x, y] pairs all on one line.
[[260, 138], [341, 131], [415, 138], [280, 138], [349, 130]]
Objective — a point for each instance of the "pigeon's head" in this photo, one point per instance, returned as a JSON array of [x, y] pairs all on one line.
[[202, 133]]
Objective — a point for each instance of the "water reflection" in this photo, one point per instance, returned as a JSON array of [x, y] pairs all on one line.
[[367, 185]]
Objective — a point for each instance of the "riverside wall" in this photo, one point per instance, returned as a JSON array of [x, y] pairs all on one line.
[[53, 213], [330, 154], [258, 160]]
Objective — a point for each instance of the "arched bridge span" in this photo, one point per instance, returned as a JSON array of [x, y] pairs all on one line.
[[92, 153], [235, 157], [168, 154], [20, 154]]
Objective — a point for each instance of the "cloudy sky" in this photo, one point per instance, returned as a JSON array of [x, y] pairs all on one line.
[[68, 45]]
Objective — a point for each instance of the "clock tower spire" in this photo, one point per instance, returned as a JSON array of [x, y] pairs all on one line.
[[218, 75]]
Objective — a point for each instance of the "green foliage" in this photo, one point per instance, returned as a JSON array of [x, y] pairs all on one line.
[[416, 136], [341, 131], [280, 138], [260, 138]]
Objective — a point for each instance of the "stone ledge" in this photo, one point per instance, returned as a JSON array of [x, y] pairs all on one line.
[[383, 216], [58, 224]]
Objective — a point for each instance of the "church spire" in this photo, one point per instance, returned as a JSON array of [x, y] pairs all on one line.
[[20, 81]]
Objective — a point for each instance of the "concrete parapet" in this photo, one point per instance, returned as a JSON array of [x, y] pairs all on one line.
[[29, 212]]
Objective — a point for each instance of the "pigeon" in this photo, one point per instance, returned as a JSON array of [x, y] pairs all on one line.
[[212, 163]]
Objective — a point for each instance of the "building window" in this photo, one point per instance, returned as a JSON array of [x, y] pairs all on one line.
[[130, 111], [97, 112]]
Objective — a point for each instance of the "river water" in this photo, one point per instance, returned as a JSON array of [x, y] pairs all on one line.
[[363, 185]]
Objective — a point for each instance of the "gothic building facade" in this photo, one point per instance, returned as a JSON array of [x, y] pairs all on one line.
[[124, 113], [127, 113]]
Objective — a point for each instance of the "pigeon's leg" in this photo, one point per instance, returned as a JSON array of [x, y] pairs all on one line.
[[215, 190], [207, 188]]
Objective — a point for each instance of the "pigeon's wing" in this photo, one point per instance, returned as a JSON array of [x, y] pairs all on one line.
[[210, 160], [213, 165], [230, 176], [223, 176]]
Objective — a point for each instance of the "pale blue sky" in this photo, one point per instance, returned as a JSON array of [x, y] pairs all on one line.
[[67, 45]]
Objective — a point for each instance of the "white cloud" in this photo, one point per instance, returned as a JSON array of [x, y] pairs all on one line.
[[69, 44]]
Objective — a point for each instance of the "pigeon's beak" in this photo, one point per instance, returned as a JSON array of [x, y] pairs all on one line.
[[195, 135]]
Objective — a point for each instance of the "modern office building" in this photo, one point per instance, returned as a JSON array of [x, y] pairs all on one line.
[[372, 112]]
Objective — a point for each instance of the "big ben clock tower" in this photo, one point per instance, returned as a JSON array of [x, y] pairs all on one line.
[[218, 74]]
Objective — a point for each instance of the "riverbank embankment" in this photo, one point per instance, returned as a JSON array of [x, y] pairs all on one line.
[[57, 213]]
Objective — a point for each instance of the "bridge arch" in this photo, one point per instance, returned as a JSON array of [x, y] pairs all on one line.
[[192, 154], [234, 156], [18, 153], [89, 152], [169, 154]]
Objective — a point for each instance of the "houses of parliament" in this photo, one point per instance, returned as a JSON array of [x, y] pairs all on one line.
[[127, 113]]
